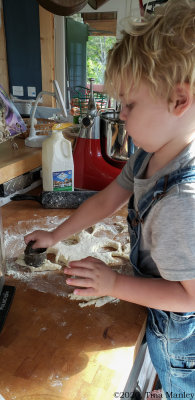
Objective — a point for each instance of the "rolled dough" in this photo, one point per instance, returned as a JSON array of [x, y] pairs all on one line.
[[87, 243]]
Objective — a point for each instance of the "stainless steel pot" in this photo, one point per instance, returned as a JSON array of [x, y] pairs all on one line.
[[114, 137]]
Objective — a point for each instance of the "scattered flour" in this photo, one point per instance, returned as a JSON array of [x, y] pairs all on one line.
[[102, 241], [57, 381], [68, 336]]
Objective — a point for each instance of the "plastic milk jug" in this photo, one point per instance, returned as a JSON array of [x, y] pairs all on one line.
[[57, 162]]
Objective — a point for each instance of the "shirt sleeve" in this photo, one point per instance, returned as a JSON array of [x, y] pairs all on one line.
[[126, 178], [173, 233]]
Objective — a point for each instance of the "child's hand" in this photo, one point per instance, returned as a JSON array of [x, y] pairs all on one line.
[[93, 275], [42, 238]]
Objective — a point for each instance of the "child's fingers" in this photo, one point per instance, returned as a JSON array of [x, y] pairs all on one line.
[[85, 292], [28, 238], [88, 261], [82, 272], [79, 282], [32, 239], [33, 236]]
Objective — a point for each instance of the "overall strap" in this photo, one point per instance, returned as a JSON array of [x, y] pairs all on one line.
[[138, 162], [161, 188], [137, 165]]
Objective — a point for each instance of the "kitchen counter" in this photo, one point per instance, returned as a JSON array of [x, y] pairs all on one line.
[[15, 162], [50, 348]]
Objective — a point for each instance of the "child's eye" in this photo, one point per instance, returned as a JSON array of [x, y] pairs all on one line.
[[129, 106]]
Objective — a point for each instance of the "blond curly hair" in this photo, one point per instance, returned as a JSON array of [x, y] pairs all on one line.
[[160, 50]]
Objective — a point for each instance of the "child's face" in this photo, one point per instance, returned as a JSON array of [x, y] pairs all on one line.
[[147, 118]]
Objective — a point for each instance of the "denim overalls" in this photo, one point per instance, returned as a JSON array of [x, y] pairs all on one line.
[[170, 336]]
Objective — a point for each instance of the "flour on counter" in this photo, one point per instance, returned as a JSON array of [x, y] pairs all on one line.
[[68, 336], [14, 235], [107, 241], [82, 245]]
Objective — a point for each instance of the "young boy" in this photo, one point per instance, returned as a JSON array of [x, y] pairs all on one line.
[[151, 70]]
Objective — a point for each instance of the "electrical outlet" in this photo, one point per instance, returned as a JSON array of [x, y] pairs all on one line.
[[31, 91], [18, 90]]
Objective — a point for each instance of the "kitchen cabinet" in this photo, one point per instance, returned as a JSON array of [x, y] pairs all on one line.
[[23, 46], [23, 49]]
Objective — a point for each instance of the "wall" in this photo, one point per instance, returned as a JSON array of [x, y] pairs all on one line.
[[22, 32], [47, 54], [46, 20], [53, 59], [3, 56], [60, 67], [123, 9]]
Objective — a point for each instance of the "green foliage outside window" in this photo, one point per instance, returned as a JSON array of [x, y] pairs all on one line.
[[97, 49]]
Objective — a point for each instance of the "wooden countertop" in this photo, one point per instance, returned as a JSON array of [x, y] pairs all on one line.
[[15, 162], [50, 348]]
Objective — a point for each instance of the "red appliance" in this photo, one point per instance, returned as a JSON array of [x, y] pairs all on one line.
[[93, 170]]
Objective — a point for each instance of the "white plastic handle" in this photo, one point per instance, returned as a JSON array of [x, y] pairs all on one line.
[[66, 143]]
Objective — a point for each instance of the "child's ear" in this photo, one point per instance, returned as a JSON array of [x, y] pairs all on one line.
[[181, 99]]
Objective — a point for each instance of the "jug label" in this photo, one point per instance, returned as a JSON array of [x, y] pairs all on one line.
[[62, 181]]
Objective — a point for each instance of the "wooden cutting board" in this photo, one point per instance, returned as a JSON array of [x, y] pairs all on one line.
[[50, 348]]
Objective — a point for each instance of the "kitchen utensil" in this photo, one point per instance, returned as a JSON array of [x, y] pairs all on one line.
[[57, 199], [149, 6], [93, 170], [114, 143], [34, 257], [34, 140], [63, 7], [95, 4], [69, 7]]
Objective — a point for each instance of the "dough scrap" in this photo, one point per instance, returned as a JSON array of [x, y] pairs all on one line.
[[97, 301], [46, 266]]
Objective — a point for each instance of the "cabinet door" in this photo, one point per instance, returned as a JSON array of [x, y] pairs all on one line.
[[22, 33], [76, 39]]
